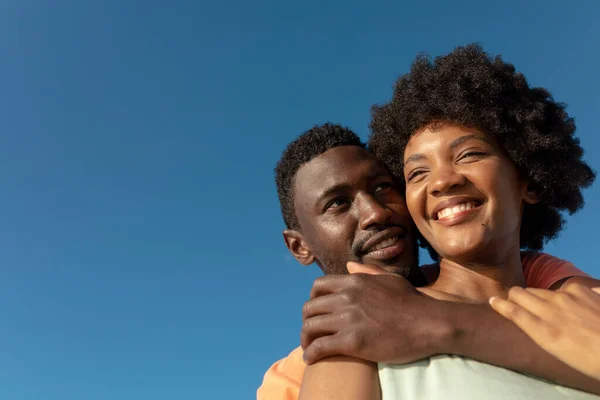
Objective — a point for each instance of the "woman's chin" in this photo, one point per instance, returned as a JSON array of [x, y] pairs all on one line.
[[459, 250]]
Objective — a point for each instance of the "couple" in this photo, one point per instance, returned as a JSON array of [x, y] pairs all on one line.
[[488, 164]]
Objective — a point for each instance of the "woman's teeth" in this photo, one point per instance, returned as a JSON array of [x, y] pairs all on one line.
[[449, 211]]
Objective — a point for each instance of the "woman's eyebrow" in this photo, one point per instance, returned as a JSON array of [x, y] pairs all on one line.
[[455, 143], [477, 136], [414, 158]]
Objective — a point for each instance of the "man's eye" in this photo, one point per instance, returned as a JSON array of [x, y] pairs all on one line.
[[383, 186], [336, 203]]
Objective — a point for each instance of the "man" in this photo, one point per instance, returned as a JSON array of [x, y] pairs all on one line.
[[340, 204]]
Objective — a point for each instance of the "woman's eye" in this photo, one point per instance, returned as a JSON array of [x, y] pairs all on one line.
[[472, 154], [414, 174]]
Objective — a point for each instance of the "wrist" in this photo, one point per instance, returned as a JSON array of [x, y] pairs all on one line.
[[451, 328]]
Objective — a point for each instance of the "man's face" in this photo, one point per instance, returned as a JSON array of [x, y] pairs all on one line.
[[350, 209]]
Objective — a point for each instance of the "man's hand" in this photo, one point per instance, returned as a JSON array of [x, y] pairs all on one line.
[[564, 323], [380, 318]]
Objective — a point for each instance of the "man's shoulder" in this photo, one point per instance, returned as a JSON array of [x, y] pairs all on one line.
[[283, 379]]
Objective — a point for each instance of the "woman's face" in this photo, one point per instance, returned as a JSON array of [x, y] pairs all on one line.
[[463, 192]]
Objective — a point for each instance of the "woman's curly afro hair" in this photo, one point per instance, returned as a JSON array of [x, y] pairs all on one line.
[[470, 88]]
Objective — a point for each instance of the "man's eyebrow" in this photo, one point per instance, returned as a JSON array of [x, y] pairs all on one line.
[[346, 187], [457, 142], [342, 187]]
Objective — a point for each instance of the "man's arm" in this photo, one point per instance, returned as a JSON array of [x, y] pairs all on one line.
[[565, 323], [481, 336], [382, 318]]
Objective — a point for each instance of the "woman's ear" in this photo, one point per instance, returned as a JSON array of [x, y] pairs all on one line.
[[531, 193]]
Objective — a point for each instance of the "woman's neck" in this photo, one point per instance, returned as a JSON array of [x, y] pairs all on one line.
[[478, 281]]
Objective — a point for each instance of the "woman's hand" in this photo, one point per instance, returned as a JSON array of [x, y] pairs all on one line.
[[566, 323]]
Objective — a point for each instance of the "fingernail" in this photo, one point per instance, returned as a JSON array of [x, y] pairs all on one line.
[[350, 266], [492, 299]]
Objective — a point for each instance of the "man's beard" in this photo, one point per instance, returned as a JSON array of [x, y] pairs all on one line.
[[333, 265], [358, 253], [336, 265]]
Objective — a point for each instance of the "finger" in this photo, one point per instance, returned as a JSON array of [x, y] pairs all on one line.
[[530, 302], [596, 289], [543, 294], [329, 284], [356, 268], [541, 332], [332, 345], [525, 320], [499, 305], [323, 305], [321, 325], [584, 296]]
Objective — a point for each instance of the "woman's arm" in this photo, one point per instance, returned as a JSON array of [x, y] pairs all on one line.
[[340, 377]]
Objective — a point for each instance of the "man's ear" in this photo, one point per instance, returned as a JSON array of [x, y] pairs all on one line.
[[296, 244], [531, 193]]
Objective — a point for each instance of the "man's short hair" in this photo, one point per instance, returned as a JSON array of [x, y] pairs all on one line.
[[307, 146]]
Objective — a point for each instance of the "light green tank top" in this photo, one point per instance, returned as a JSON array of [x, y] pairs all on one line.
[[448, 377]]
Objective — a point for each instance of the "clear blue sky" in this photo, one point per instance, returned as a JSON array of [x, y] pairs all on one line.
[[140, 250]]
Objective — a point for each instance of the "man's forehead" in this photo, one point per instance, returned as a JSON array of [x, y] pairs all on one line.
[[344, 165]]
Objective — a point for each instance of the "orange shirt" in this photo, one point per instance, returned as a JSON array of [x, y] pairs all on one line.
[[282, 381]]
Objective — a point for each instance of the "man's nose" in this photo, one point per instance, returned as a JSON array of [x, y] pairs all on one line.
[[444, 179], [372, 212]]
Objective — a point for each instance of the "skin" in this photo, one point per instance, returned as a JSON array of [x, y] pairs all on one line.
[[340, 212], [352, 315], [450, 163], [566, 323]]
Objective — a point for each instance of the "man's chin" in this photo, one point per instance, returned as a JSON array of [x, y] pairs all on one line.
[[402, 271], [393, 265], [393, 268]]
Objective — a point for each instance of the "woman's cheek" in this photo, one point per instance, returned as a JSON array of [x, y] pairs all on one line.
[[416, 207]]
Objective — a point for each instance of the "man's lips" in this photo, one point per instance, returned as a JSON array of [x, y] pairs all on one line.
[[385, 244]]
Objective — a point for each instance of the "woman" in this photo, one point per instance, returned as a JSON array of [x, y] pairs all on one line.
[[489, 163]]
